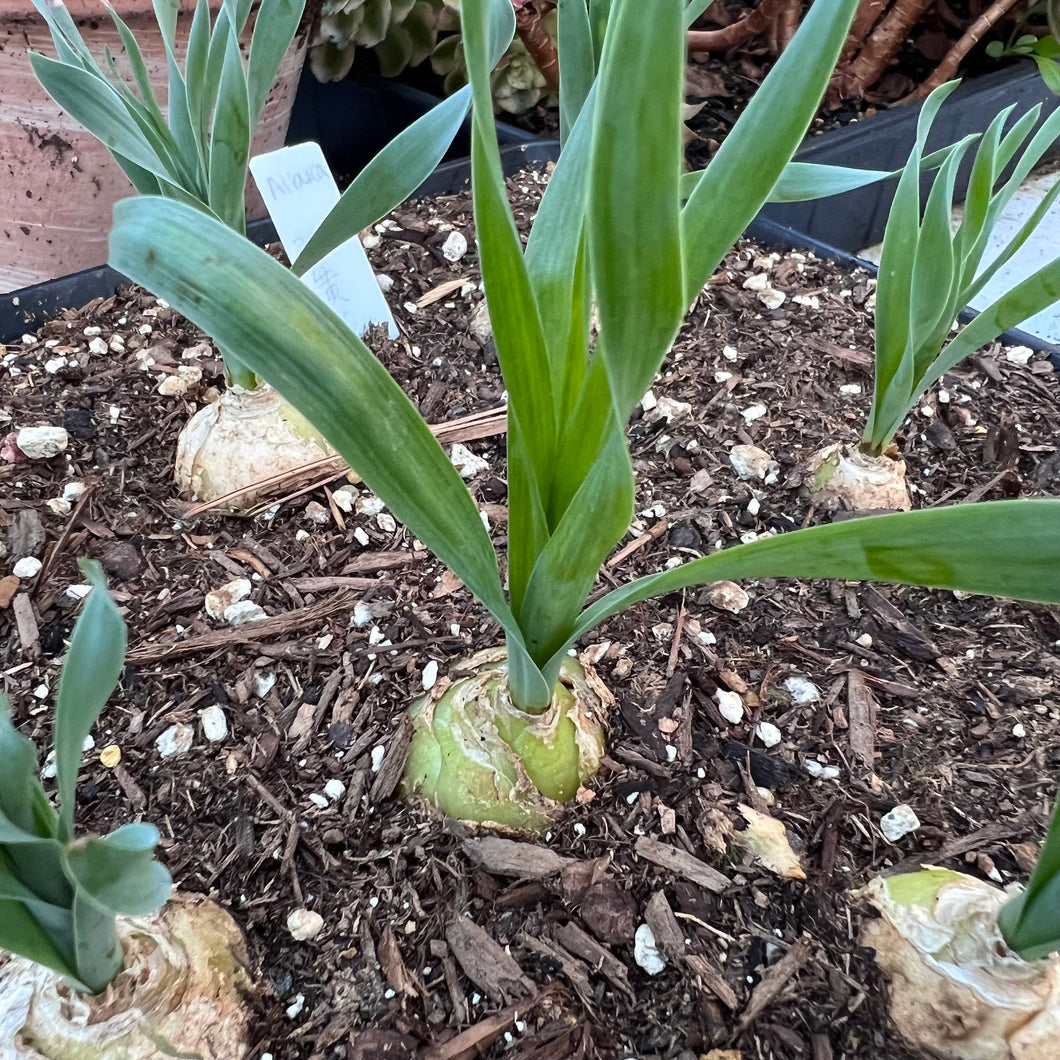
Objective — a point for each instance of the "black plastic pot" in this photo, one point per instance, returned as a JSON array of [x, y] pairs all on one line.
[[354, 119], [857, 219]]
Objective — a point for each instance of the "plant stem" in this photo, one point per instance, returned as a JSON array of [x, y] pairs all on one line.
[[237, 374]]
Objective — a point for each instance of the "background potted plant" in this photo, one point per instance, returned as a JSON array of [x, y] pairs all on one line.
[[60, 181]]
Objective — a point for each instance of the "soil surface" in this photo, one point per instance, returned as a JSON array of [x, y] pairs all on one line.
[[437, 943]]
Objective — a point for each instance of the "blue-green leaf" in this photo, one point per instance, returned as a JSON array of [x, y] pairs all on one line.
[[90, 674]]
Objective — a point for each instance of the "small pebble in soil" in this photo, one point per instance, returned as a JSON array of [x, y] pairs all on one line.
[[455, 246], [245, 611], [176, 740], [294, 1009], [316, 513], [318, 800], [730, 706], [1019, 354], [466, 462], [368, 505], [753, 412], [214, 723], [362, 615], [27, 567], [264, 683], [345, 497], [377, 757], [802, 689], [671, 410], [768, 733], [820, 770], [1019, 731], [771, 298], [728, 596], [899, 822], [645, 951], [430, 675], [334, 789], [218, 600], [42, 443]]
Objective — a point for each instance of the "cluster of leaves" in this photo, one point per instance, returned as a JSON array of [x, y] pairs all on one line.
[[929, 271], [60, 893], [612, 230], [197, 152], [1043, 48]]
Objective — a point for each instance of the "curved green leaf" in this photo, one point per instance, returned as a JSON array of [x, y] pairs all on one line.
[[634, 196], [749, 163], [90, 674], [252, 305], [1001, 548], [1030, 922], [390, 178]]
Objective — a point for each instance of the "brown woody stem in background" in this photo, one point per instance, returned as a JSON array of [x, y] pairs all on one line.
[[852, 79], [784, 24], [718, 40], [868, 14], [948, 67], [542, 48]]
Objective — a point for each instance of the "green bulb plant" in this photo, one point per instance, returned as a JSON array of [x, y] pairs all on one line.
[[195, 151], [86, 971], [974, 969], [613, 231], [929, 271]]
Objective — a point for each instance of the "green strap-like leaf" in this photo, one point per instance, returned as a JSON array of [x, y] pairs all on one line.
[[517, 331], [97, 951], [274, 31], [1030, 922], [21, 933], [230, 140], [895, 343], [90, 674], [1030, 296], [21, 815], [1001, 548], [568, 565], [577, 61], [555, 262], [634, 197], [749, 163], [119, 873], [390, 178]]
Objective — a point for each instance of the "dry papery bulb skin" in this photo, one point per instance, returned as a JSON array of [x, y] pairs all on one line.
[[183, 992]]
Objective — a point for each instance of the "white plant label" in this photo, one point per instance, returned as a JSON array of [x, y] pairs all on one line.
[[299, 192]]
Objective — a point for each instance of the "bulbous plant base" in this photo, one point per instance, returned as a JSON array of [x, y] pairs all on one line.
[[181, 993], [241, 438], [841, 476], [956, 988], [477, 757]]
